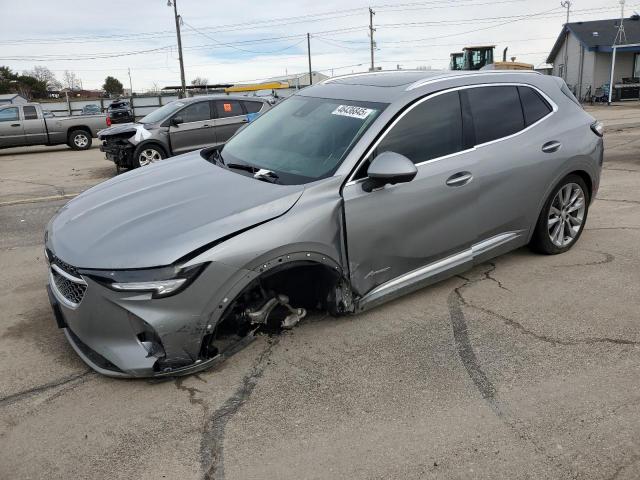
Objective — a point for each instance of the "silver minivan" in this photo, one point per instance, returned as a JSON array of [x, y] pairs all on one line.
[[346, 195], [179, 127]]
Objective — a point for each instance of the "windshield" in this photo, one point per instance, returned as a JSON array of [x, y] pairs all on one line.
[[303, 138], [162, 113]]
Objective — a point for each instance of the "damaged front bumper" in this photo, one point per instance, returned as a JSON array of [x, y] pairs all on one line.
[[120, 141], [131, 334], [119, 151]]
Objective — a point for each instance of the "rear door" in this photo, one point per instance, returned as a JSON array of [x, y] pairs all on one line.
[[11, 128], [196, 130], [230, 116], [512, 170], [34, 129]]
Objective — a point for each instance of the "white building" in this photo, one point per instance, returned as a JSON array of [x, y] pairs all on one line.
[[587, 47], [12, 98]]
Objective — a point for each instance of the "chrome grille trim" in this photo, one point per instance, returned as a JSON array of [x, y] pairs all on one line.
[[68, 276], [68, 288]]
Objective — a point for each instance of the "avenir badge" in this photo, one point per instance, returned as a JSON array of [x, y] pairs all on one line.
[[352, 111]]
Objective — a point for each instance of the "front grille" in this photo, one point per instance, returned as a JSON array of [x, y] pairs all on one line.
[[72, 290]]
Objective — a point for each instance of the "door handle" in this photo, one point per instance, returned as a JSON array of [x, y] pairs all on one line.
[[15, 124], [206, 125], [459, 179], [245, 120], [551, 147]]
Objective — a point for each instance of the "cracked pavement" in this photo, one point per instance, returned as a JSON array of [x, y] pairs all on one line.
[[525, 367]]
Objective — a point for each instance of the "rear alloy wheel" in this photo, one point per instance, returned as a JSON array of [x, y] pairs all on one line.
[[79, 140], [566, 215], [563, 217], [149, 155]]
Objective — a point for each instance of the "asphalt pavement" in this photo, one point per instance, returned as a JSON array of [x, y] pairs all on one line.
[[526, 367]]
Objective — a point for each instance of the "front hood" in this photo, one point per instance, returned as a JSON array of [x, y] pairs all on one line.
[[157, 214], [119, 129]]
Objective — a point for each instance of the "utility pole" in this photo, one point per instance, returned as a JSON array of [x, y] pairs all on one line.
[[566, 4], [178, 19], [371, 30], [130, 84], [309, 55]]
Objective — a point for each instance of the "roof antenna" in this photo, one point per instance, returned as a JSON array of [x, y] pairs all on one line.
[[621, 36]]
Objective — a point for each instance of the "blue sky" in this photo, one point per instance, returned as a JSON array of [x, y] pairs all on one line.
[[245, 41]]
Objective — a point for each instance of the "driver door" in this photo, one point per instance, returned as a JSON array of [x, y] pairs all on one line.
[[196, 130], [412, 227]]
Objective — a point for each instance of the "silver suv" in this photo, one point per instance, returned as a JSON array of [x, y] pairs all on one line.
[[350, 193], [179, 127]]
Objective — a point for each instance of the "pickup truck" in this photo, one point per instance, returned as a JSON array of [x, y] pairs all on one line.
[[27, 124]]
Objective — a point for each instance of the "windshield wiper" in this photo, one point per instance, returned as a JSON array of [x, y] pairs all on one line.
[[241, 166], [258, 173]]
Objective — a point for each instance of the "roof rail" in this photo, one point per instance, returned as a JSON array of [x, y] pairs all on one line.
[[430, 80], [362, 74]]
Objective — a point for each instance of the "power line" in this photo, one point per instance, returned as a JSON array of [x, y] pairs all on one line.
[[329, 15], [238, 48]]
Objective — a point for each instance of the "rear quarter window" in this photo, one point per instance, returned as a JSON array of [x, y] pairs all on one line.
[[533, 105], [252, 107]]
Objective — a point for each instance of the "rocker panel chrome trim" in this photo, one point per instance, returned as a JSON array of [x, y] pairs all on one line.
[[424, 274]]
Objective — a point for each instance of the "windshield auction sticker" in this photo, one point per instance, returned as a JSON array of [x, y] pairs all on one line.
[[352, 111]]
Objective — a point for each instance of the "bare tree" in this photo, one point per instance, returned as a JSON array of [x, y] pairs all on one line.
[[71, 80], [43, 74], [200, 81], [155, 88]]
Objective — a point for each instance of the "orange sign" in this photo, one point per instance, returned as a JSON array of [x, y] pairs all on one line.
[[227, 107]]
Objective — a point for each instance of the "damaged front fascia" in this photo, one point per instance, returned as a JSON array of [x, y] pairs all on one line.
[[120, 140]]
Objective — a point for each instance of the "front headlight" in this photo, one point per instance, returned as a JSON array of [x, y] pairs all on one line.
[[161, 282], [161, 288]]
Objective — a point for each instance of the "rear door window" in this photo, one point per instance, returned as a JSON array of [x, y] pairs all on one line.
[[533, 105], [496, 112], [228, 108], [252, 107], [30, 112], [196, 112], [430, 130], [9, 114]]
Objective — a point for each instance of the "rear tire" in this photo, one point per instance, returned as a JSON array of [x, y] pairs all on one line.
[[79, 140], [147, 154], [563, 217]]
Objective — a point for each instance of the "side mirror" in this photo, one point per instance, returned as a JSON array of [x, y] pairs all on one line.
[[176, 121], [389, 168]]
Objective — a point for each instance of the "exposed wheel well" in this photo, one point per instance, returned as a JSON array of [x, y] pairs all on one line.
[[309, 285]]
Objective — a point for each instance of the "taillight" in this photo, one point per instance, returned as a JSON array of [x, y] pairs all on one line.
[[598, 128], [108, 121]]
